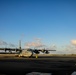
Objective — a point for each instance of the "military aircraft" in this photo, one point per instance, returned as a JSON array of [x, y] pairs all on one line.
[[31, 52], [25, 52]]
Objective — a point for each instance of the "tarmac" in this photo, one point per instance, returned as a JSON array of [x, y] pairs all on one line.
[[11, 64], [21, 65]]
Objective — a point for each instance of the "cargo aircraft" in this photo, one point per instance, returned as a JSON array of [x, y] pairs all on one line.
[[25, 52], [31, 52]]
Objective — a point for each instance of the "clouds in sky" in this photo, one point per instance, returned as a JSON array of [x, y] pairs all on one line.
[[70, 48], [53, 46], [35, 44], [12, 45], [73, 42], [5, 44]]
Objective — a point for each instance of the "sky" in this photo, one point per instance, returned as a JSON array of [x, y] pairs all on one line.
[[52, 22]]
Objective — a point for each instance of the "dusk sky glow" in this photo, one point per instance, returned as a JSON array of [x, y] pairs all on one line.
[[53, 21]]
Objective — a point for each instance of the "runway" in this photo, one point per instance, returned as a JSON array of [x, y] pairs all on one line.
[[26, 65]]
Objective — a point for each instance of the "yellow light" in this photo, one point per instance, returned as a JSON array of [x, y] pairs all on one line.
[[36, 56]]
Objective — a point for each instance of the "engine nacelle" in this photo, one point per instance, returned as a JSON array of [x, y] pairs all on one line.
[[36, 51]]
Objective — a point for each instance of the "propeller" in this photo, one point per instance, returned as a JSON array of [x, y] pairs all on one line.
[[47, 52], [36, 51]]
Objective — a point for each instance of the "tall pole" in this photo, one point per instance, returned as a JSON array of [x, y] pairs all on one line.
[[20, 44]]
